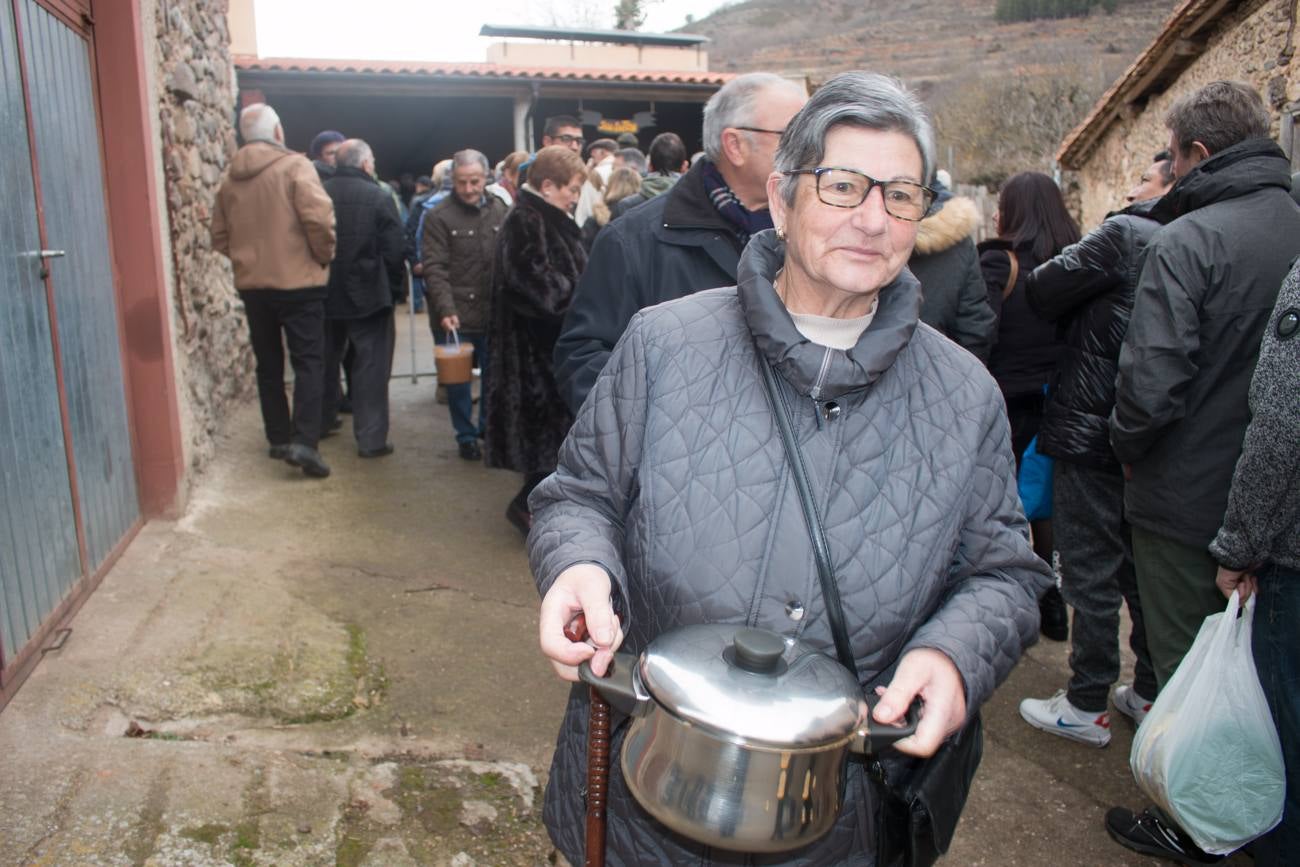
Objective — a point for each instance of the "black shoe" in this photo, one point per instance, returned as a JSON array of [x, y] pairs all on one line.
[[332, 428], [470, 451], [1153, 833], [278, 453], [520, 517], [385, 449], [309, 459], [1055, 618]]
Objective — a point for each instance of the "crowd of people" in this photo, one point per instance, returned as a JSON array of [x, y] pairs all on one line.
[[646, 327]]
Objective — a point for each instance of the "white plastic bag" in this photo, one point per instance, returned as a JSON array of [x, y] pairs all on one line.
[[1208, 753]]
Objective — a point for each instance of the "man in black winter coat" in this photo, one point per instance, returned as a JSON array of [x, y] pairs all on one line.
[[685, 240], [1087, 290], [367, 275], [1207, 289]]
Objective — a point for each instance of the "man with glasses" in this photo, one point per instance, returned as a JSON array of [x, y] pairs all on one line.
[[563, 130], [685, 240]]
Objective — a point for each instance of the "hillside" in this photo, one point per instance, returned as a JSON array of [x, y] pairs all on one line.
[[970, 69]]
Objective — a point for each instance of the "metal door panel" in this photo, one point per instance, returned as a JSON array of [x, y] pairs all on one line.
[[72, 192], [38, 544]]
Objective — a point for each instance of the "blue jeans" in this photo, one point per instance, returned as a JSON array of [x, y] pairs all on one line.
[[417, 294], [460, 398], [1277, 659]]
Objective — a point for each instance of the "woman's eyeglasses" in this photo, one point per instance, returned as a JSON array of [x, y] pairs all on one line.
[[848, 188]]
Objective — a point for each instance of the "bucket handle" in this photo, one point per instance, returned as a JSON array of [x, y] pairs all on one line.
[[455, 339]]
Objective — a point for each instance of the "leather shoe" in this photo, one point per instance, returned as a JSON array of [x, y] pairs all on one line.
[[385, 449], [470, 451], [279, 452], [1055, 619], [308, 459], [521, 518]]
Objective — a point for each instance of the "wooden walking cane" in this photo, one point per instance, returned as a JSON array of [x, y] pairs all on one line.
[[597, 760]]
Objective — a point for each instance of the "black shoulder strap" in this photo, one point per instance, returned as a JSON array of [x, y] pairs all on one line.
[[821, 550]]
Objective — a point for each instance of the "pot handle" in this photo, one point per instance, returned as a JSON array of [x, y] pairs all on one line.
[[617, 686], [873, 737]]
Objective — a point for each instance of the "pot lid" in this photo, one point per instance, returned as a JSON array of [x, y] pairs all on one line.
[[752, 685]]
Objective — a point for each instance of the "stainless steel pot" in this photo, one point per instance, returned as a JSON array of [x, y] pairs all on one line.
[[739, 736]]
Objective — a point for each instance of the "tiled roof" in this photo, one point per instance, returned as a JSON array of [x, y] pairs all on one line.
[[1180, 41], [492, 71]]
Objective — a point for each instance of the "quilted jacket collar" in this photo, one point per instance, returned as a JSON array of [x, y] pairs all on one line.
[[814, 370]]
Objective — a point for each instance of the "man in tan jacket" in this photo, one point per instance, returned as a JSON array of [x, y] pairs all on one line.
[[274, 221]]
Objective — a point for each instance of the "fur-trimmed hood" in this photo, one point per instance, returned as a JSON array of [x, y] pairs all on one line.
[[953, 223]]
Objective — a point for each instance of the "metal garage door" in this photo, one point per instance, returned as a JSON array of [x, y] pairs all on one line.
[[68, 486]]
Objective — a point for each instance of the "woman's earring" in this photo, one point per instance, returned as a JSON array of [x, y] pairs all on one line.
[[780, 233]]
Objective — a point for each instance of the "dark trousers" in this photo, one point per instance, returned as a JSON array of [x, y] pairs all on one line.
[[1097, 576], [1277, 661], [371, 342], [1176, 584], [295, 317]]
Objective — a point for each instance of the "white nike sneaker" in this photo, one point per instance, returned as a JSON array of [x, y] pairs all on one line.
[[1057, 716], [1129, 703]]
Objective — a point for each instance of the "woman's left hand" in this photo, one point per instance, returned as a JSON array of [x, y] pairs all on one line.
[[931, 675]]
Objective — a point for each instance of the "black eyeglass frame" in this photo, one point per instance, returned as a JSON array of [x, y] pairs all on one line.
[[567, 139], [872, 183], [760, 129]]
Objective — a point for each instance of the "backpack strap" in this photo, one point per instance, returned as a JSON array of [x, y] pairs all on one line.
[[1013, 276]]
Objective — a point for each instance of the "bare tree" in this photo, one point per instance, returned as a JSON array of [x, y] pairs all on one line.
[[1011, 124]]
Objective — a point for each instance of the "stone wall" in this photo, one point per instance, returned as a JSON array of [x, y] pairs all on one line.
[[1254, 43], [195, 93]]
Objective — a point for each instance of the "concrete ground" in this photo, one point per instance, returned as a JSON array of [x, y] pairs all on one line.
[[303, 672]]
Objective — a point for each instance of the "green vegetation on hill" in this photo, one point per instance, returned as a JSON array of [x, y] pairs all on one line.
[[1033, 10]]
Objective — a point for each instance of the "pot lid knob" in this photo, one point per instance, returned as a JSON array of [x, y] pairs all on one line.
[[758, 650]]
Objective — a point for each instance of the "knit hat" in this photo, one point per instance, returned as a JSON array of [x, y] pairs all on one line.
[[329, 136]]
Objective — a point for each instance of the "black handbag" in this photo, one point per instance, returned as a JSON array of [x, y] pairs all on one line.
[[919, 808]]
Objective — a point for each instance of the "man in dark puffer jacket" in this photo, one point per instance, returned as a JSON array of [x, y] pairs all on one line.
[[1088, 291], [1205, 296], [368, 271]]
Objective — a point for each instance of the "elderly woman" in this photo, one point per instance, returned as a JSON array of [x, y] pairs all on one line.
[[539, 258], [673, 504]]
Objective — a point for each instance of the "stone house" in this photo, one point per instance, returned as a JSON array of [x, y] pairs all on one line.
[[121, 339], [1202, 41]]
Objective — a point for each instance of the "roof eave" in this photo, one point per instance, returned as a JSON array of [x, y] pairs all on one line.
[[1180, 42]]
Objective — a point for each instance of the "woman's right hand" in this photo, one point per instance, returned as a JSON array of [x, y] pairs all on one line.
[[580, 589]]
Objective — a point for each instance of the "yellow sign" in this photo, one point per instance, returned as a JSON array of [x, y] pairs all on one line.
[[617, 126]]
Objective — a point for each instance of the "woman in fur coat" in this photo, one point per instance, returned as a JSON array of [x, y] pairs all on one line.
[[539, 258]]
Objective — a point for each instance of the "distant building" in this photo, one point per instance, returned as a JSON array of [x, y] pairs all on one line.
[[1203, 40], [415, 113]]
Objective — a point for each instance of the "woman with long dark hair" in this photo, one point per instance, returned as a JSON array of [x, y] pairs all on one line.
[[1033, 226]]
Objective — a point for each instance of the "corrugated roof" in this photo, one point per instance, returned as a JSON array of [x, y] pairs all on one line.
[[487, 71], [1179, 43]]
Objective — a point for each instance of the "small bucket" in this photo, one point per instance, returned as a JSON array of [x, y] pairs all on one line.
[[454, 361]]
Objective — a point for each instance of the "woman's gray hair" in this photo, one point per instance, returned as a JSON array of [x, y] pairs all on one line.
[[470, 157], [861, 99], [733, 105]]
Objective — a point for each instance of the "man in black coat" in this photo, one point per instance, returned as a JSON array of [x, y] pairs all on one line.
[[685, 240], [1087, 291], [1207, 289], [367, 275]]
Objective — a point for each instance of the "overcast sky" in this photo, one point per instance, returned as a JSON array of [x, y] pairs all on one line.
[[432, 29]]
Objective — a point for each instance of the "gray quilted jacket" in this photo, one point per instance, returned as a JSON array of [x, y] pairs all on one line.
[[673, 479]]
